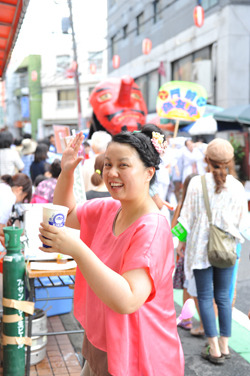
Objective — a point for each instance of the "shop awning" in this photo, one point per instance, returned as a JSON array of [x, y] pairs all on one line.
[[11, 16]]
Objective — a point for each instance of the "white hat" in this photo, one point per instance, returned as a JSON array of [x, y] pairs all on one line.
[[28, 146]]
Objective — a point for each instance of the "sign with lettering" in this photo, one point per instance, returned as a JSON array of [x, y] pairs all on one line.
[[181, 100]]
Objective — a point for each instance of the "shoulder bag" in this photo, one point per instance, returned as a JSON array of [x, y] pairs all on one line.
[[221, 245]]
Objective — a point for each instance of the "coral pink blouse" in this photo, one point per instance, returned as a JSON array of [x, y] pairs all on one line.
[[146, 342]]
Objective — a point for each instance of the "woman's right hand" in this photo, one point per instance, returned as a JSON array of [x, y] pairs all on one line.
[[70, 158]]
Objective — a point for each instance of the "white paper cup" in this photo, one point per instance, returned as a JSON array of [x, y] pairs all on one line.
[[54, 215]]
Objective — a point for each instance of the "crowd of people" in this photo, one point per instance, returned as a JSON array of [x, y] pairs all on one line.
[[137, 186]]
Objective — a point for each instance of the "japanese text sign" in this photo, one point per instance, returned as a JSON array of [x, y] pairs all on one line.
[[181, 100]]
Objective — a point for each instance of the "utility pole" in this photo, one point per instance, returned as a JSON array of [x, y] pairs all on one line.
[[79, 109]]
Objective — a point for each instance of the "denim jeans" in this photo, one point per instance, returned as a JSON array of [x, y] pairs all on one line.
[[214, 283]]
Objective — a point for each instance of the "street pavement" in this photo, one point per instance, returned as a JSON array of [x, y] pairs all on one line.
[[196, 366]]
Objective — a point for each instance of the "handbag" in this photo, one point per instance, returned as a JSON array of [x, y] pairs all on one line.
[[221, 245]]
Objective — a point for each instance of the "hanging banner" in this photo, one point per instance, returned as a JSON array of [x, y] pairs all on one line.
[[181, 100]]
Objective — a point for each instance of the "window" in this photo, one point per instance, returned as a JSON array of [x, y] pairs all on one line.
[[196, 67], [62, 63], [206, 4], [66, 98], [156, 10], [113, 46], [153, 88], [140, 23], [182, 68], [125, 31], [96, 58], [149, 84]]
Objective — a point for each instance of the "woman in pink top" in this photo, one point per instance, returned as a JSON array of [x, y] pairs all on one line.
[[123, 291]]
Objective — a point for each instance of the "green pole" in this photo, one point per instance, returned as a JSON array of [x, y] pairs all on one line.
[[13, 288]]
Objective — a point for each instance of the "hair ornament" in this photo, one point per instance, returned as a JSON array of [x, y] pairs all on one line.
[[98, 172], [158, 141]]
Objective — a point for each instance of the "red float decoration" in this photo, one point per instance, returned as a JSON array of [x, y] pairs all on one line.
[[118, 105], [198, 16], [116, 61], [92, 68], [146, 46]]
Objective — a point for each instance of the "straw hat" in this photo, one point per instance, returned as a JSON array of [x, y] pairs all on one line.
[[28, 146], [220, 150]]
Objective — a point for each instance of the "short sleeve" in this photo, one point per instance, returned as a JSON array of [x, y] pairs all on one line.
[[151, 247]]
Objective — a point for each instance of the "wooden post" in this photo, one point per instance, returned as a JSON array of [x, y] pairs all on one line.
[[176, 128]]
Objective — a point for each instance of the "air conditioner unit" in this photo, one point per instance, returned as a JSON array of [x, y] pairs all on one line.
[[202, 74]]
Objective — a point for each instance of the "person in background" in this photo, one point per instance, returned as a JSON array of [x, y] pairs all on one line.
[[10, 160], [99, 142], [228, 205], [44, 191], [179, 280], [86, 150], [38, 166], [52, 144], [40, 178], [17, 144], [190, 155], [13, 189], [123, 290], [97, 180], [27, 154]]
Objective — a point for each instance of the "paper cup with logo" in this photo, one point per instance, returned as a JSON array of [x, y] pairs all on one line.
[[54, 215]]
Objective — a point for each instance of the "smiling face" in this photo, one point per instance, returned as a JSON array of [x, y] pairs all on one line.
[[124, 173]]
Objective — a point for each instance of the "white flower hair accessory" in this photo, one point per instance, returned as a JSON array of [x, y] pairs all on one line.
[[158, 141]]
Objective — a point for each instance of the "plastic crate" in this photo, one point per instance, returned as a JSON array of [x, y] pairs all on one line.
[[54, 287]]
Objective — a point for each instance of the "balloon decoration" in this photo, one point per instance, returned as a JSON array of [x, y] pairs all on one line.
[[188, 311], [146, 46], [92, 68], [116, 61], [198, 16]]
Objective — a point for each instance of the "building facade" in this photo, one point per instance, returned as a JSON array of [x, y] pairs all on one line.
[[216, 55]]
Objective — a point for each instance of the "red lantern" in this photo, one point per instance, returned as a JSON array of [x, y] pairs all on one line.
[[34, 75], [74, 65], [69, 73], [198, 16], [146, 46], [116, 61], [92, 68]]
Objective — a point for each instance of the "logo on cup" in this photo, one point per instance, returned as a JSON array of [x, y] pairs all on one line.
[[57, 220]]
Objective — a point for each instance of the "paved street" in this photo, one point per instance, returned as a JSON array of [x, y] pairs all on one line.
[[196, 366]]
